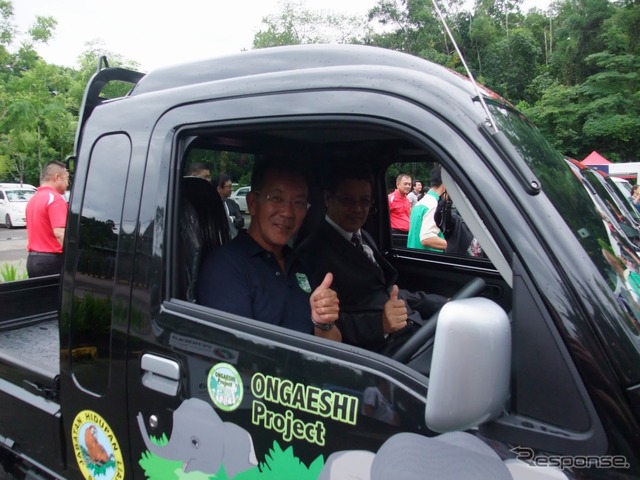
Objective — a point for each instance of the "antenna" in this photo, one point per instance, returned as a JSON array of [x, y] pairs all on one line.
[[469, 74]]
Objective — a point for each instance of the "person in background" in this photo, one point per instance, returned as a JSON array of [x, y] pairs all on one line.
[[400, 205], [416, 194], [460, 239], [46, 214], [372, 307], [635, 196], [424, 234], [199, 170], [236, 220], [257, 275]]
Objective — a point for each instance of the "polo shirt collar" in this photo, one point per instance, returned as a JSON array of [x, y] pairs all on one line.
[[253, 248]]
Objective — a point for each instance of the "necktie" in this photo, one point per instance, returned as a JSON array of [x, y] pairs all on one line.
[[357, 241]]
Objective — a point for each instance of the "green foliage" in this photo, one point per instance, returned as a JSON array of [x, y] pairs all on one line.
[[161, 441], [97, 469], [284, 465], [508, 64], [296, 25], [12, 273], [158, 468], [278, 465], [91, 319], [573, 68]]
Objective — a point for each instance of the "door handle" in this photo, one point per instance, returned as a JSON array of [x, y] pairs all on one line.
[[160, 374]]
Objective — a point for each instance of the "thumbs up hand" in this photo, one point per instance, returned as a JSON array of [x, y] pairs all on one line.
[[325, 306], [394, 315]]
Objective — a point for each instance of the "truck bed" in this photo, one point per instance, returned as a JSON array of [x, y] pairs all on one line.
[[30, 370], [37, 346], [29, 336]]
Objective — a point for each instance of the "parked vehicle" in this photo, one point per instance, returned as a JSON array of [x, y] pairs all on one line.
[[622, 184], [13, 202], [531, 370], [610, 205], [240, 197]]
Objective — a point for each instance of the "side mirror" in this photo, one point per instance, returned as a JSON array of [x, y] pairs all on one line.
[[471, 365]]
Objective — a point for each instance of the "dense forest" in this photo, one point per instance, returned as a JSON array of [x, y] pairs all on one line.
[[572, 69]]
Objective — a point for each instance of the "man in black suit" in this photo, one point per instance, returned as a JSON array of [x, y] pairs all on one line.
[[371, 305], [236, 220]]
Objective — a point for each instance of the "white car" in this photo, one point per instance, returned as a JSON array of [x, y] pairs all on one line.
[[623, 185], [13, 202], [240, 197]]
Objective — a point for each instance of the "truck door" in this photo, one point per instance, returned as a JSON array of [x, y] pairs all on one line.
[[95, 308], [213, 392]]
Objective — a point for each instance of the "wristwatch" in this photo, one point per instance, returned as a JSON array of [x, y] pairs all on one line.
[[322, 326]]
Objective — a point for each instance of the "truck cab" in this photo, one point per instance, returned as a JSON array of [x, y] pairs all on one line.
[[532, 370]]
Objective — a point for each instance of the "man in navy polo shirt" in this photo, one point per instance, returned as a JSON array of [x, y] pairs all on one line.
[[256, 275]]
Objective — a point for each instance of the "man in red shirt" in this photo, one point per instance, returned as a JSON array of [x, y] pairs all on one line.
[[46, 220], [400, 205]]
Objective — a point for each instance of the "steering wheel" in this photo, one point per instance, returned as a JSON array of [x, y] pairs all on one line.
[[428, 330]]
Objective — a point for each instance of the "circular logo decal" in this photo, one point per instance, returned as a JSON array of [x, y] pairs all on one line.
[[96, 448], [225, 386]]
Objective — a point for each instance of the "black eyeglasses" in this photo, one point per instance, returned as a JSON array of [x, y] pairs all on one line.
[[279, 202], [351, 202]]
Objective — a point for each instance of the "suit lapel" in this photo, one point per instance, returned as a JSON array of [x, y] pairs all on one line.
[[352, 256], [390, 273]]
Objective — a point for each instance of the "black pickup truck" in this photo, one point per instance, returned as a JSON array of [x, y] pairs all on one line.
[[113, 371]]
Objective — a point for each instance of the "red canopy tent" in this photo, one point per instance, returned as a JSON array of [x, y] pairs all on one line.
[[594, 159], [628, 170], [597, 161]]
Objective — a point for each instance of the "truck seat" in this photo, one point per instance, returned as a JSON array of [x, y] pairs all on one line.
[[203, 226]]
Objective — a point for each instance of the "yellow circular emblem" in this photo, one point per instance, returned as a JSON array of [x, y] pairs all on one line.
[[96, 448]]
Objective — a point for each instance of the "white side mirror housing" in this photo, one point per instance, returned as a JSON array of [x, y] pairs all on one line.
[[471, 365]]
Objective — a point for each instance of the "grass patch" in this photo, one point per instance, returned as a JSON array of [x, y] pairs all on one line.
[[12, 273]]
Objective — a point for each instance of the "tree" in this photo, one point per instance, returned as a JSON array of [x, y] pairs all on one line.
[[510, 64], [612, 105], [34, 120], [411, 26], [578, 35], [37, 125], [559, 116], [296, 25]]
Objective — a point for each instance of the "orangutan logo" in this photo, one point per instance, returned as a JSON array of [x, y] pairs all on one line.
[[96, 448]]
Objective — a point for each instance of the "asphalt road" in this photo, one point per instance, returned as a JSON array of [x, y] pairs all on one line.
[[13, 244]]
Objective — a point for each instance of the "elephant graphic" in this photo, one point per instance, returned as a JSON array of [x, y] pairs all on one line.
[[226, 394], [203, 442]]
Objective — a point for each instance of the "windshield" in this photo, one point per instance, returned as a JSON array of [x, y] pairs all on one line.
[[19, 194], [588, 214]]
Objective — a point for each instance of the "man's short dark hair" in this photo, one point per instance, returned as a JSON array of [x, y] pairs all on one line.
[[401, 176], [195, 168], [222, 179], [347, 170], [436, 176], [287, 165], [51, 168]]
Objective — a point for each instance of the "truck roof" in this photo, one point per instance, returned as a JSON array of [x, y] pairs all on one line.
[[298, 67]]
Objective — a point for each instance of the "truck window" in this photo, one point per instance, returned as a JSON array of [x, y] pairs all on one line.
[[432, 221], [93, 305], [327, 144]]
